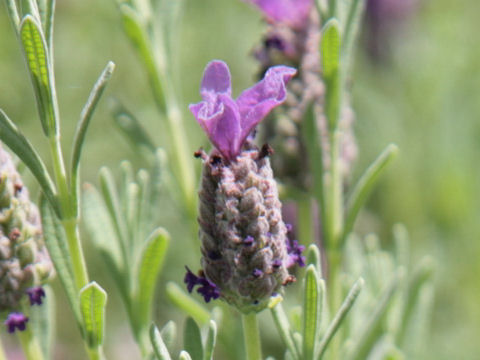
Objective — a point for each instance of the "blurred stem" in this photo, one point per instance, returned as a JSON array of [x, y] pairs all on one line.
[[76, 252], [2, 352], [305, 221], [31, 347], [251, 336], [96, 353]]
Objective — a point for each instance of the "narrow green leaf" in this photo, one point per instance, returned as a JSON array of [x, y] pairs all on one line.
[[37, 57], [313, 140], [339, 316], [283, 327], [83, 123], [211, 340], [184, 356], [101, 230], [187, 304], [41, 321], [158, 345], [330, 55], [192, 339], [93, 300], [365, 184], [311, 315], [57, 246], [149, 266], [14, 139], [48, 24], [351, 29], [132, 129], [169, 334]]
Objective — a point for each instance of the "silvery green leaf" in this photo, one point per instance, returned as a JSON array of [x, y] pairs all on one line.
[[184, 356], [149, 265], [187, 304], [41, 321], [330, 55], [13, 13], [93, 300], [169, 334], [101, 230], [365, 184], [18, 143], [37, 57], [312, 312], [158, 345], [57, 246], [192, 339], [352, 25], [314, 258], [82, 126], [211, 340], [340, 316]]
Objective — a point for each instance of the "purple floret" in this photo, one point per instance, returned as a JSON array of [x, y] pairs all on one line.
[[35, 295], [293, 13], [206, 288], [295, 253], [16, 321]]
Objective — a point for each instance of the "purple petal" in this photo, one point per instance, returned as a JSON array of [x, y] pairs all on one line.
[[291, 12], [256, 102], [215, 81], [221, 124]]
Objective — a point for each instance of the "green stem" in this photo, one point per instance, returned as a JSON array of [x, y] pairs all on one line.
[[251, 336], [306, 234], [31, 347], [76, 252], [2, 352]]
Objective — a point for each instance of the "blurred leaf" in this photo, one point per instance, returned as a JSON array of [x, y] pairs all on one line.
[[13, 13], [364, 185], [100, 228], [149, 266], [351, 29], [158, 345], [93, 300], [47, 9], [311, 315], [314, 258], [82, 127], [36, 54], [132, 129], [372, 329], [169, 334], [41, 321], [211, 340], [340, 316], [330, 55], [14, 139], [192, 339], [186, 303], [57, 246], [184, 356], [312, 136]]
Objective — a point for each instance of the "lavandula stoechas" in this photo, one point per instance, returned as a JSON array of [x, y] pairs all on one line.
[[24, 261], [245, 249], [293, 37]]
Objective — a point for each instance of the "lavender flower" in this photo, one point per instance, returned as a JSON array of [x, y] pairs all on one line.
[[35, 295], [244, 242], [15, 321]]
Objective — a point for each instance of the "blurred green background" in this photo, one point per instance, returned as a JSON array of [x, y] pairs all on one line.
[[424, 97]]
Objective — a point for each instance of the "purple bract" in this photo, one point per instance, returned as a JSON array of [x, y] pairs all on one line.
[[291, 12], [207, 288], [16, 320], [228, 122]]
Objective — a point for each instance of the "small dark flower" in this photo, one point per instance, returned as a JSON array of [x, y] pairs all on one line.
[[248, 241], [257, 273], [190, 279], [208, 289], [295, 253], [35, 295], [15, 321]]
